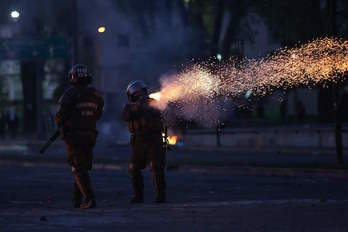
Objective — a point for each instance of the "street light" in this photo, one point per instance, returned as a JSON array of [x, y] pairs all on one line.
[[101, 29], [15, 14], [219, 57]]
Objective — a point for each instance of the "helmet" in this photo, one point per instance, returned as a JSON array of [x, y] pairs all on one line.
[[79, 75], [136, 90]]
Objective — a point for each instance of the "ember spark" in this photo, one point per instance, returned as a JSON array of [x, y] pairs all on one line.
[[315, 63]]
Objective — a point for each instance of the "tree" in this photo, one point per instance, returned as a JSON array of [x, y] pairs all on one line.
[[214, 16], [291, 21]]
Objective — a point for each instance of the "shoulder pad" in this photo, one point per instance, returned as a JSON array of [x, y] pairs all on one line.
[[68, 95]]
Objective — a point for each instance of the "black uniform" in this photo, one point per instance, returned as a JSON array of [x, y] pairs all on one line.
[[80, 108], [146, 128]]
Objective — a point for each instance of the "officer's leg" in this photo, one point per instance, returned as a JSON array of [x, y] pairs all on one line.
[[85, 164], [137, 163], [77, 196], [157, 165], [159, 181], [80, 182], [79, 156], [137, 183], [89, 201], [83, 183]]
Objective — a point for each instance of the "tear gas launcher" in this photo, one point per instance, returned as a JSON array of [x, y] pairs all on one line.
[[51, 140]]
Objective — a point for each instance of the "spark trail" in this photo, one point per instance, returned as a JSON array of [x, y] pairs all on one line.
[[314, 63]]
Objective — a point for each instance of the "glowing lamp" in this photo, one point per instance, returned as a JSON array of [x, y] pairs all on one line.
[[101, 29], [15, 14]]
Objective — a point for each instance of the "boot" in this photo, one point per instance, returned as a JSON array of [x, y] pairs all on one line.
[[160, 187], [88, 204], [84, 184], [138, 187], [77, 196]]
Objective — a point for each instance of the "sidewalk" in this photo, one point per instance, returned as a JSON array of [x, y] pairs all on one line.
[[294, 137], [106, 154], [110, 152], [22, 144]]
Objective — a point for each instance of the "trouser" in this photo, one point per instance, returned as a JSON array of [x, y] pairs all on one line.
[[80, 147], [147, 150], [82, 190]]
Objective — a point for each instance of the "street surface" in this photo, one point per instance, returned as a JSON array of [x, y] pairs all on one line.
[[207, 191]]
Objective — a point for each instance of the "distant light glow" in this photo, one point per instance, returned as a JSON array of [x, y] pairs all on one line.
[[101, 29], [15, 14], [219, 57], [248, 93]]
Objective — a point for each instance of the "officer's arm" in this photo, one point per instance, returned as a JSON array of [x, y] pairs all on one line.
[[131, 111], [152, 110], [65, 110], [100, 100], [126, 114], [100, 108]]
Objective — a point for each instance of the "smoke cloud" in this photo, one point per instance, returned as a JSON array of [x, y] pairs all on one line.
[[197, 90]]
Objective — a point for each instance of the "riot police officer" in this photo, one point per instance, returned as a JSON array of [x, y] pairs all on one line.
[[146, 127], [80, 108]]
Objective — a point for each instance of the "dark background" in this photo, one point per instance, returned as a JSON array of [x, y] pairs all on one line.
[[146, 39]]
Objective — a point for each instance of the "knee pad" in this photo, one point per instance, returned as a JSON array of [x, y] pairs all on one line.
[[79, 172], [74, 170], [133, 169]]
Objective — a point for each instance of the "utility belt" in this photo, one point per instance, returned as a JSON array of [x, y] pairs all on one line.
[[70, 131], [147, 134]]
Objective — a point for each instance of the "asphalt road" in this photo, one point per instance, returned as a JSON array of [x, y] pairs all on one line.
[[37, 197], [109, 153]]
